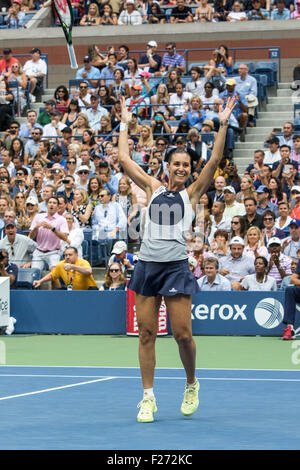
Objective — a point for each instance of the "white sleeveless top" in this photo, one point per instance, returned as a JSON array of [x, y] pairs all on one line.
[[168, 219]]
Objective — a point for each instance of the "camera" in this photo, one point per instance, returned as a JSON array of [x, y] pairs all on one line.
[[36, 182], [66, 181], [55, 171], [1, 257], [12, 132]]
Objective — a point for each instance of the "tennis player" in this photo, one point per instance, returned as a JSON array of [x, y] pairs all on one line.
[[163, 269]]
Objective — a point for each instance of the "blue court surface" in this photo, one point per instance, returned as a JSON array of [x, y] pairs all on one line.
[[95, 408]]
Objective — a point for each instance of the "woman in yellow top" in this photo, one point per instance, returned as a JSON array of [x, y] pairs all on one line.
[[76, 273]]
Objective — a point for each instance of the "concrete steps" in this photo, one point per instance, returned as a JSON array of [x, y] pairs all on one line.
[[279, 109]]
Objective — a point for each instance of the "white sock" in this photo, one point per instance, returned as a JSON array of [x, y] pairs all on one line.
[[148, 392]]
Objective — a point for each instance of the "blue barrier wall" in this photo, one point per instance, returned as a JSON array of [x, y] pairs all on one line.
[[94, 312]]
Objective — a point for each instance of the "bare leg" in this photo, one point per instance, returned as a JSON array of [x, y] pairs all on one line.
[[179, 311], [147, 313]]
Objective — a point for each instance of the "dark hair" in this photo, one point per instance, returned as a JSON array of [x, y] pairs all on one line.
[[265, 261], [53, 197], [221, 233], [66, 92], [250, 199], [242, 224], [71, 248], [285, 146], [270, 213]]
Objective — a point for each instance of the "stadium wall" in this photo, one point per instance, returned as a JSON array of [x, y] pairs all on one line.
[[256, 34], [94, 312]]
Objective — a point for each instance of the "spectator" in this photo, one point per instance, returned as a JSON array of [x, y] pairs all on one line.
[[132, 74], [178, 102], [119, 86], [156, 170], [89, 74], [92, 18], [80, 125], [181, 13], [109, 18], [54, 129], [269, 230], [283, 220], [130, 16], [276, 194], [281, 12], [16, 17], [7, 61], [222, 60], [279, 169], [260, 281], [264, 203], [286, 281], [120, 255], [295, 202], [237, 13], [236, 265], [75, 236], [26, 128], [238, 227], [232, 207], [209, 98], [217, 194], [241, 110], [151, 61], [204, 12], [295, 15], [25, 219], [245, 83], [263, 178], [6, 158], [8, 269], [221, 9], [212, 280], [107, 73], [127, 199], [156, 15], [247, 189], [17, 74], [48, 229], [19, 247], [196, 86], [137, 103], [70, 116], [254, 244], [291, 244], [109, 181], [6, 103], [279, 264], [272, 155], [172, 59], [219, 243], [252, 218], [257, 12], [109, 220], [76, 273], [36, 71], [114, 278], [295, 153], [287, 137], [62, 99], [82, 208], [219, 221]]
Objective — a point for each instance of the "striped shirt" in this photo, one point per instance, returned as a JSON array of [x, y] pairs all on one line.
[[285, 264], [173, 60]]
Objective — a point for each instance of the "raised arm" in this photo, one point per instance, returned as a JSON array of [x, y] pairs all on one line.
[[131, 168], [200, 186]]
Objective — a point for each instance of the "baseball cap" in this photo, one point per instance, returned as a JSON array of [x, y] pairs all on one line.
[[230, 189], [154, 43], [262, 189], [294, 222], [35, 49], [237, 241], [86, 59], [209, 123], [31, 200], [136, 87], [83, 168], [144, 73], [50, 102], [274, 241], [7, 50], [295, 188], [230, 81], [7, 224], [119, 247]]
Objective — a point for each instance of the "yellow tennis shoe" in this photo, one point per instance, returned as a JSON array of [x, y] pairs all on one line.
[[190, 401], [147, 409]]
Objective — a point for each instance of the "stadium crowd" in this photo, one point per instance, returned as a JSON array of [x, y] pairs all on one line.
[[60, 177], [131, 12]]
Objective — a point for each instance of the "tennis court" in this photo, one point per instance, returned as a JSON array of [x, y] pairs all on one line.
[[81, 392]]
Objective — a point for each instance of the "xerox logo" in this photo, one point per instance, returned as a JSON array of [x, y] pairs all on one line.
[[268, 313], [224, 312]]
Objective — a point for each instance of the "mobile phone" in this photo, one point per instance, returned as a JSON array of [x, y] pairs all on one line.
[[277, 129], [286, 168]]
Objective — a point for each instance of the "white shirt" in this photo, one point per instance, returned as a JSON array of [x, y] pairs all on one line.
[[237, 208], [95, 117], [133, 18], [250, 283], [180, 102], [271, 158], [32, 68], [50, 131]]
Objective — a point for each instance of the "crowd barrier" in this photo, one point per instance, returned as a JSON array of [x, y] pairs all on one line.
[[94, 312]]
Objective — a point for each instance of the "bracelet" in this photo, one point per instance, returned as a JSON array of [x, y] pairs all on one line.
[[123, 126], [223, 124]]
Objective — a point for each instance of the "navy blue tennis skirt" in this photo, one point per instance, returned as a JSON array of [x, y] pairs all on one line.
[[153, 278]]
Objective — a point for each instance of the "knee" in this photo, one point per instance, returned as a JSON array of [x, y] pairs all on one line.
[[146, 336], [183, 338]]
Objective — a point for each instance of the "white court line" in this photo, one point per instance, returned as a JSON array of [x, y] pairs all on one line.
[[224, 379], [54, 388]]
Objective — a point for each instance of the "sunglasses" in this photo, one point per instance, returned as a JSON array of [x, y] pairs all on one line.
[[114, 270], [71, 163], [233, 222], [83, 87], [102, 195], [14, 127], [268, 218], [83, 172]]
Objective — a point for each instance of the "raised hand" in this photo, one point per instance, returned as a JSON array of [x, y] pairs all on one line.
[[125, 114], [224, 114]]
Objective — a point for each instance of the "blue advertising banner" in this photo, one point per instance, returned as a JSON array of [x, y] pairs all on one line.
[[238, 313]]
